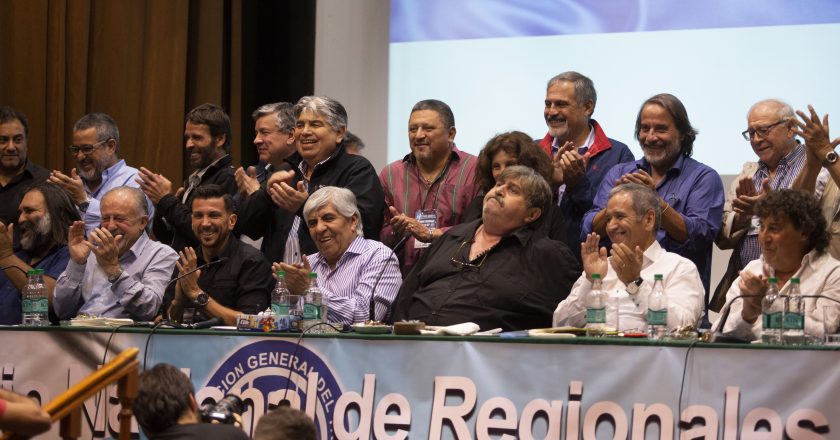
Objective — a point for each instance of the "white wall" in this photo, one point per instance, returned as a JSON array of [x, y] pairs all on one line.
[[351, 65]]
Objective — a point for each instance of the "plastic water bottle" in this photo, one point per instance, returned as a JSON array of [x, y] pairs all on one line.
[[771, 314], [313, 311], [793, 326], [35, 302], [596, 308], [280, 296], [657, 315]]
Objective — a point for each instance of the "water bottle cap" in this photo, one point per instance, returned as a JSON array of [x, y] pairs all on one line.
[[41, 272], [794, 280], [596, 276], [32, 272], [313, 275], [773, 280], [657, 277], [281, 273]]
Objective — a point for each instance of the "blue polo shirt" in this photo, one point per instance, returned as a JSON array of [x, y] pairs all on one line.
[[53, 264]]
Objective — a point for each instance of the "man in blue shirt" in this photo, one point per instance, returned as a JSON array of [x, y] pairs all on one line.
[[96, 142], [690, 193], [45, 214]]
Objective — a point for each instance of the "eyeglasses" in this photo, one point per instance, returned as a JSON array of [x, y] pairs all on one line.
[[87, 148], [762, 132], [461, 264]]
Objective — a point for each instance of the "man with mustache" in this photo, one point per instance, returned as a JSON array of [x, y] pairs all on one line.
[[46, 212], [117, 271], [580, 150], [498, 271], [207, 138], [428, 190], [690, 193], [771, 131], [96, 144], [241, 280], [17, 172]]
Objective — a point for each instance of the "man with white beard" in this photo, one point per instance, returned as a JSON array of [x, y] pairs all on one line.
[[46, 213], [96, 142]]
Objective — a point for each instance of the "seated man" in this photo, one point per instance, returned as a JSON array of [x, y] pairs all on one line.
[[633, 216], [46, 213], [285, 423], [128, 272], [498, 271], [21, 415], [241, 281], [166, 408], [793, 241], [351, 269]]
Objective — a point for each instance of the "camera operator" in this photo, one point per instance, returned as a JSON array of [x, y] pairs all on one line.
[[285, 423], [166, 408]]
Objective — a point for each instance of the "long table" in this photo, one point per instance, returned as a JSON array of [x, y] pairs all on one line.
[[396, 387]]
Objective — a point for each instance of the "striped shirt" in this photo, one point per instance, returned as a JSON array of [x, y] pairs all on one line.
[[786, 171], [347, 289]]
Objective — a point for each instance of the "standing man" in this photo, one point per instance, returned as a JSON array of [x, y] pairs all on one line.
[[771, 133], [426, 191], [96, 142], [580, 150], [259, 216], [16, 171], [118, 271], [46, 213], [207, 140], [690, 193], [241, 280]]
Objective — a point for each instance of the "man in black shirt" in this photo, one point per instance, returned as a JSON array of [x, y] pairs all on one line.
[[166, 408], [498, 271], [17, 172], [237, 278]]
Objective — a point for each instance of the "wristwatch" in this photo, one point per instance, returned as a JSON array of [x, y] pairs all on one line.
[[202, 299], [633, 286], [830, 158], [113, 279]]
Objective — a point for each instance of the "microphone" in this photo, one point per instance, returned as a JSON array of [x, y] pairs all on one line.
[[206, 324], [372, 313], [399, 245], [205, 265], [717, 335]]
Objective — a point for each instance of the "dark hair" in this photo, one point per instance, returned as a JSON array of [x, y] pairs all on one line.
[[439, 107], [61, 209], [8, 114], [213, 191], [517, 144], [106, 127], [802, 209], [163, 396], [285, 423], [284, 117], [676, 109], [215, 118], [584, 88]]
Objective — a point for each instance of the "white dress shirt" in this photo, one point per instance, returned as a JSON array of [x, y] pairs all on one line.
[[819, 274], [682, 285]]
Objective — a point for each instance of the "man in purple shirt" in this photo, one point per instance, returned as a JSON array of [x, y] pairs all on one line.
[[690, 193]]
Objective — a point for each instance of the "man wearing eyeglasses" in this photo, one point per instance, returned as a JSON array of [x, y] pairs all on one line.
[[691, 194], [117, 271], [96, 144], [770, 132], [17, 172], [498, 271]]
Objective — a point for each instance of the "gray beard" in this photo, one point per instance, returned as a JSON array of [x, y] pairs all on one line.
[[37, 239]]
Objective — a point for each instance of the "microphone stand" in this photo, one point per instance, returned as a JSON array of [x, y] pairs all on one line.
[[397, 247]]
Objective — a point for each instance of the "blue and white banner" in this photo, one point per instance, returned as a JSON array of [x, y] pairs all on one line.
[[356, 388]]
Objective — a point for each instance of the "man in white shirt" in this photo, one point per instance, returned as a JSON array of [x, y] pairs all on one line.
[[633, 217]]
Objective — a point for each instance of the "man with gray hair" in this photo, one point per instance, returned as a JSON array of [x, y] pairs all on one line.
[[633, 216], [353, 272], [771, 131], [96, 144], [117, 271], [580, 151], [497, 271]]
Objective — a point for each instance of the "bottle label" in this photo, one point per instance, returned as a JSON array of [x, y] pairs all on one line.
[[657, 317], [772, 320], [311, 311], [26, 305], [41, 305], [596, 316], [794, 321], [280, 309]]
